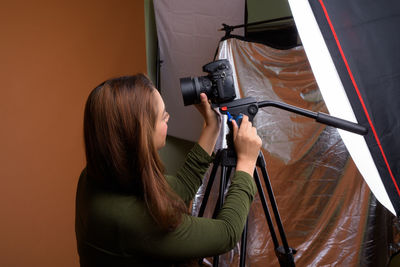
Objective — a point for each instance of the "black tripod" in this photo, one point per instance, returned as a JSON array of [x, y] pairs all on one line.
[[226, 160]]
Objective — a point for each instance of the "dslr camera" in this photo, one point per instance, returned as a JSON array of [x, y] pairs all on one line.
[[218, 85]]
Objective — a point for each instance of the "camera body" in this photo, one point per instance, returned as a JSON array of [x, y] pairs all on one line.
[[218, 85]]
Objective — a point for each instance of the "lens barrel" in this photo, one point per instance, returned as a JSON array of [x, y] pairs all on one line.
[[190, 91], [192, 88]]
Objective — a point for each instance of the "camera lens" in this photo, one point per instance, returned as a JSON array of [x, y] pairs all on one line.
[[192, 87], [190, 90]]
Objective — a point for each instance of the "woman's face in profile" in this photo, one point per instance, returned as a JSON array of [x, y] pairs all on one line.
[[160, 131]]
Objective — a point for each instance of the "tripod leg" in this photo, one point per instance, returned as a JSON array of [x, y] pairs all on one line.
[[266, 209], [243, 245], [222, 187], [273, 201], [285, 254], [220, 203], [209, 184]]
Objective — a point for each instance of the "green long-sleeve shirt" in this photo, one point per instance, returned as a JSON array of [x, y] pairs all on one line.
[[116, 229]]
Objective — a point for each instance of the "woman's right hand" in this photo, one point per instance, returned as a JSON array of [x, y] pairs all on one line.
[[247, 145]]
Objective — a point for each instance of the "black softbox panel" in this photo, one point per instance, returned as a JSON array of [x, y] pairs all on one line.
[[363, 40]]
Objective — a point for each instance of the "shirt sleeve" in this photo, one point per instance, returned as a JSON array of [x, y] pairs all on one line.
[[202, 237], [191, 174]]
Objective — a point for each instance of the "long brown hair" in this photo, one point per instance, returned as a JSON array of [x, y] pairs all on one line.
[[119, 122]]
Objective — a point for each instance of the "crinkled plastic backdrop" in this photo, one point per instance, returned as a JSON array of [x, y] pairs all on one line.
[[328, 213]]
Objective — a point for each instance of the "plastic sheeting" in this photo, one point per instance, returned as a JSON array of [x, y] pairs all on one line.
[[328, 213]]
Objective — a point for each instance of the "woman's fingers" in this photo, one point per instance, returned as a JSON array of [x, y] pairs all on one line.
[[245, 125], [235, 129], [247, 145], [204, 107], [204, 98], [246, 137]]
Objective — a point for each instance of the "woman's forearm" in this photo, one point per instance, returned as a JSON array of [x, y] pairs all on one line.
[[208, 138]]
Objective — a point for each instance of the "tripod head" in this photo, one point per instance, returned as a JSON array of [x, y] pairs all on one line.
[[246, 106], [249, 106]]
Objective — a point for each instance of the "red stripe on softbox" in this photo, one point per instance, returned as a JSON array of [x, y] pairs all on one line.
[[359, 96]]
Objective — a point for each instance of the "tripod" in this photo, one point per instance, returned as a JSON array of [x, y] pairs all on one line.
[[225, 159]]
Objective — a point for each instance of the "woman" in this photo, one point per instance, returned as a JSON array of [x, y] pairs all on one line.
[[127, 212]]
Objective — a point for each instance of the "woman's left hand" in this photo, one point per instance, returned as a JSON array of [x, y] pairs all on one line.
[[210, 116], [209, 135]]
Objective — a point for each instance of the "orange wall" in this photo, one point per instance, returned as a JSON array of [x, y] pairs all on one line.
[[52, 53]]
